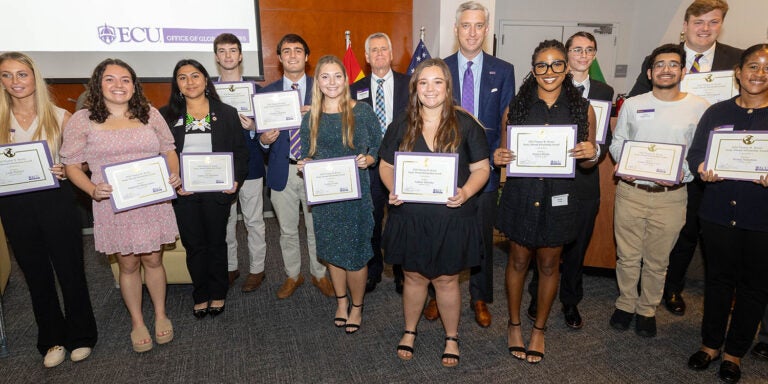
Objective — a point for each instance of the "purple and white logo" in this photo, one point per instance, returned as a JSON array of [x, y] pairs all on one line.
[[107, 33]]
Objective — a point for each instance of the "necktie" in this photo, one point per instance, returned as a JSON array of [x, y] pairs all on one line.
[[581, 89], [294, 134], [468, 90], [381, 109], [696, 68]]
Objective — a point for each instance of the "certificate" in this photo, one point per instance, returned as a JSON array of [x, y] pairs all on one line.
[[651, 161], [712, 86], [740, 155], [603, 117], [207, 172], [26, 167], [277, 110], [137, 183], [330, 180], [541, 151], [426, 177], [238, 95]]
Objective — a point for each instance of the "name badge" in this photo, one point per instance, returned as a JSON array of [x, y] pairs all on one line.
[[179, 123], [560, 200], [645, 114], [363, 94]]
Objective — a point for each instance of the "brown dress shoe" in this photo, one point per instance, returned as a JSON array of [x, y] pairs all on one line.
[[253, 281], [233, 275], [430, 311], [324, 285], [482, 316], [289, 287]]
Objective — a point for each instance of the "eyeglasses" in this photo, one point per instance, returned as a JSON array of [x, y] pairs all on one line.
[[579, 51], [671, 64], [558, 66]]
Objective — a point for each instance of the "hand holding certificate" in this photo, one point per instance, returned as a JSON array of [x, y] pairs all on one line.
[[207, 172], [138, 183], [651, 161], [331, 180], [541, 151], [238, 95], [277, 110], [25, 167], [740, 155], [425, 177]]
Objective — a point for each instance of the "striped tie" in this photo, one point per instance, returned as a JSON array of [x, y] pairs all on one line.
[[696, 68], [294, 134], [468, 90], [381, 109]]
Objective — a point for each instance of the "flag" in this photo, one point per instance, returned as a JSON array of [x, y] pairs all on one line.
[[420, 54], [595, 72], [354, 73]]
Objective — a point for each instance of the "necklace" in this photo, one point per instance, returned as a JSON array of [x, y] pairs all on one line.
[[750, 109]]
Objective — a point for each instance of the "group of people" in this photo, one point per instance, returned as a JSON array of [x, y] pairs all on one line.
[[461, 105]]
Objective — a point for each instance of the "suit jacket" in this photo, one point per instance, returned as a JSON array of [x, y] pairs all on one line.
[[497, 88], [277, 171], [226, 136], [400, 96], [726, 57], [587, 184]]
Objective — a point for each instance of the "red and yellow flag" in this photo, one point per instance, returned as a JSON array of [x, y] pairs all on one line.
[[354, 73]]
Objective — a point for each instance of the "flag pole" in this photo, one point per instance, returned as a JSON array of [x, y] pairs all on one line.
[[421, 33], [348, 39]]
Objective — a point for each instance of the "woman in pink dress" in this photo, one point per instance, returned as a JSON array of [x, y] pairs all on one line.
[[118, 125]]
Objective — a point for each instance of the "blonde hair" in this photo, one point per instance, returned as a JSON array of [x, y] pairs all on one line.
[[46, 115], [345, 107]]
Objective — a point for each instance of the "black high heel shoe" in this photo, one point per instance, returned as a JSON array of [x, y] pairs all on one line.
[[402, 347], [215, 311], [514, 349], [354, 327], [340, 322], [199, 313], [536, 353], [450, 355]]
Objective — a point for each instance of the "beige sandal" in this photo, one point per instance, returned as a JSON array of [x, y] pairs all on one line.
[[139, 335], [163, 331]]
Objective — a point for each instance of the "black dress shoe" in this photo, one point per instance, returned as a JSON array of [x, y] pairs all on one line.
[[760, 350], [645, 326], [620, 319], [370, 284], [572, 316], [399, 286], [729, 372], [215, 311], [674, 303], [700, 360], [200, 313], [532, 307]]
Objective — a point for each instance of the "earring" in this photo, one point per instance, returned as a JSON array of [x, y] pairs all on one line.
[[682, 36], [181, 95], [206, 92]]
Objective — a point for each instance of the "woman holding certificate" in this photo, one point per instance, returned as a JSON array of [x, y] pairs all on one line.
[[118, 125], [538, 214], [44, 226], [335, 127], [202, 124], [734, 217], [434, 242]]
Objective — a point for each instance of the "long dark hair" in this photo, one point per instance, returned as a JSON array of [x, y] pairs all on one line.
[[521, 104], [138, 105], [177, 104]]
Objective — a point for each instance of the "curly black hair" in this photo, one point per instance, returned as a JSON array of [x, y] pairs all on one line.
[[521, 104], [138, 105]]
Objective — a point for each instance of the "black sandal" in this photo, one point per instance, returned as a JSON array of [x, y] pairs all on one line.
[[450, 355], [354, 327], [536, 353], [407, 348], [516, 349], [337, 320]]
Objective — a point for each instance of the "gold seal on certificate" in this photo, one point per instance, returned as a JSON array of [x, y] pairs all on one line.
[[603, 116], [712, 86], [541, 151], [137, 183], [330, 180], [739, 155], [277, 110], [207, 172], [25, 167], [651, 161], [237, 94], [426, 177]]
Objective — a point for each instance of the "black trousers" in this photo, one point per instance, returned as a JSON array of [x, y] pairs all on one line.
[[572, 265], [481, 276], [681, 255], [44, 229], [380, 196], [202, 220], [736, 268]]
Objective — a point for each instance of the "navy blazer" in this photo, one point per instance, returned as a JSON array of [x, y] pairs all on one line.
[[277, 171], [497, 88], [400, 96], [726, 57], [226, 136], [587, 184]]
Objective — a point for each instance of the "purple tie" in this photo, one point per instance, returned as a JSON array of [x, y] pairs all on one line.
[[294, 134], [468, 90]]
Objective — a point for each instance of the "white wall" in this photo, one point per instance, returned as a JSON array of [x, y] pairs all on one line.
[[438, 16]]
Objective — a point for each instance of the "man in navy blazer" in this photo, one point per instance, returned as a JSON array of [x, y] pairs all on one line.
[[394, 89], [287, 188], [494, 88]]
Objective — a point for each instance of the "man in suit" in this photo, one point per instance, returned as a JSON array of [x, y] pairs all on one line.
[[484, 86], [287, 188], [582, 48], [387, 92], [229, 58], [703, 21]]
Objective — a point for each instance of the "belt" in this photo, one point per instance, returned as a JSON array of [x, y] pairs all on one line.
[[654, 188], [292, 161]]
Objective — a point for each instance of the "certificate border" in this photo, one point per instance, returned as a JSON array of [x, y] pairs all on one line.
[[115, 209], [731, 133], [258, 117], [600, 139], [676, 174], [358, 194], [427, 154], [47, 151], [251, 84], [197, 154], [571, 174], [684, 87]]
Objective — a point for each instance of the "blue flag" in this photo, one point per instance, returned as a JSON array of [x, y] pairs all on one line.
[[420, 54]]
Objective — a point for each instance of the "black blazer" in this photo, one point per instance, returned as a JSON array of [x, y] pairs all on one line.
[[587, 183], [726, 57], [226, 136], [400, 97]]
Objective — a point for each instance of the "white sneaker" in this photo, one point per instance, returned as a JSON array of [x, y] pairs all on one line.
[[80, 354], [55, 356]]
